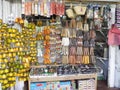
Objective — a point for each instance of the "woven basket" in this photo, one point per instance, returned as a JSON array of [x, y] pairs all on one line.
[[80, 10], [70, 13]]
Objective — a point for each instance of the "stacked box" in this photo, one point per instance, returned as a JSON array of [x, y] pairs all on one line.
[[38, 86], [87, 84], [66, 85], [53, 85]]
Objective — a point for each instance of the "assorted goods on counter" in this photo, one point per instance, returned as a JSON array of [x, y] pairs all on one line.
[[62, 70]]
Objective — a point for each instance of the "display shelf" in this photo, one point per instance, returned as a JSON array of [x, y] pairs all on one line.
[[51, 65], [63, 78], [43, 66]]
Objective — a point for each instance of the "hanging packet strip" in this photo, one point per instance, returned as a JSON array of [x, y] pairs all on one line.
[[42, 8], [72, 59], [52, 7], [86, 27], [23, 6], [45, 9], [62, 8], [33, 8], [79, 59], [90, 12], [96, 12], [36, 8], [57, 6], [48, 9], [26, 8]]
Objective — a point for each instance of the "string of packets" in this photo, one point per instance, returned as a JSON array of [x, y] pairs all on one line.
[[43, 8], [78, 43]]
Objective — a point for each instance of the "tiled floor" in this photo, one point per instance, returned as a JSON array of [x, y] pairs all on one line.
[[102, 85]]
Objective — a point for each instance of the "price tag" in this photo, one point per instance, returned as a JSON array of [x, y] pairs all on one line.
[[10, 20], [0, 86]]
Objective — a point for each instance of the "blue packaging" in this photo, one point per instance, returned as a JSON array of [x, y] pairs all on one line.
[[38, 86]]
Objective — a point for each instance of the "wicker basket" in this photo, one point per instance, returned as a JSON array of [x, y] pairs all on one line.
[[80, 10]]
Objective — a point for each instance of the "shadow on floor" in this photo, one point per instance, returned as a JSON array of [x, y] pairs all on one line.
[[102, 85]]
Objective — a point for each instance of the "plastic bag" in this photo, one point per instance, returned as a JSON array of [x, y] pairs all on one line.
[[114, 36], [65, 59], [90, 12]]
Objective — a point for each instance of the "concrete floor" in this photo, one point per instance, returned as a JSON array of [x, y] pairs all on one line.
[[102, 85]]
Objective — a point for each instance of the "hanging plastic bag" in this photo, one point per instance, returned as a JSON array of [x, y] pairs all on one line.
[[33, 7], [73, 28], [89, 14], [62, 8], [92, 34], [86, 59], [92, 59], [79, 42], [65, 31], [79, 26], [79, 51], [72, 50], [41, 8], [86, 27], [72, 41], [72, 59], [28, 8], [114, 36], [96, 12], [36, 8], [65, 59], [79, 59]]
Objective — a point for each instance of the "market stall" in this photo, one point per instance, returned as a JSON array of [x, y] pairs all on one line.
[[56, 43]]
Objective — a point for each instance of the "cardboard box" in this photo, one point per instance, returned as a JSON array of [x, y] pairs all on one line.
[[38, 86], [66, 85]]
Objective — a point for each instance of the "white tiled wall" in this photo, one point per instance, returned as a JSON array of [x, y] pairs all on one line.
[[7, 7]]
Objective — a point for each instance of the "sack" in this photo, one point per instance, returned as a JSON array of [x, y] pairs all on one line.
[[114, 36]]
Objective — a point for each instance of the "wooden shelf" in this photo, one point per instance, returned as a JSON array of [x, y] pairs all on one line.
[[44, 66], [63, 78]]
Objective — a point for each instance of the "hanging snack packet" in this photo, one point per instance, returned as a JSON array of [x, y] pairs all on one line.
[[89, 14]]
